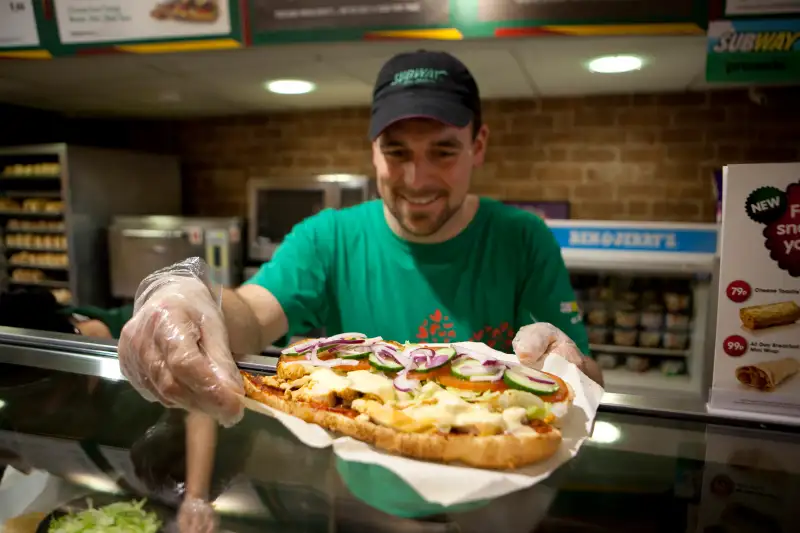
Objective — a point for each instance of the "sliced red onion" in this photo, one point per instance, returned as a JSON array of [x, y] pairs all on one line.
[[404, 357], [353, 350], [403, 383], [420, 354], [533, 374], [301, 347], [437, 360], [383, 356], [475, 354], [316, 361], [347, 336]]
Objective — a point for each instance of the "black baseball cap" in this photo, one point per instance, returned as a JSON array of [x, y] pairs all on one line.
[[424, 84]]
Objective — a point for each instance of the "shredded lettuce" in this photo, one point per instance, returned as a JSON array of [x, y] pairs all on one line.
[[538, 412], [121, 517]]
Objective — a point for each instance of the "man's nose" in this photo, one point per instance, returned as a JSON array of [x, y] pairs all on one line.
[[418, 173]]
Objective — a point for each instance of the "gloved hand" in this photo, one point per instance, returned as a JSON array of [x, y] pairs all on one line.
[[534, 342], [174, 350], [197, 516]]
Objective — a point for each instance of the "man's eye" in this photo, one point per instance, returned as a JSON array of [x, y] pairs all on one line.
[[395, 154], [444, 154]]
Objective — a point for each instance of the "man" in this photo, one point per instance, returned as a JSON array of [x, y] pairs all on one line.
[[428, 262]]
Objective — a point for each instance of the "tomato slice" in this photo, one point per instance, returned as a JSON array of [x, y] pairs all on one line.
[[362, 365], [477, 386], [323, 356], [560, 395]]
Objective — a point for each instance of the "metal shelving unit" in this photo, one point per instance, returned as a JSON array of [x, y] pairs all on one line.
[[56, 203], [32, 222]]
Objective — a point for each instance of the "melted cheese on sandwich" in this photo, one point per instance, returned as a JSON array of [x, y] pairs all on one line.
[[431, 408], [367, 382]]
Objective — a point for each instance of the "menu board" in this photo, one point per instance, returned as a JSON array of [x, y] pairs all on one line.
[[18, 24], [583, 10], [753, 51], [757, 351], [761, 7], [312, 20], [96, 21]]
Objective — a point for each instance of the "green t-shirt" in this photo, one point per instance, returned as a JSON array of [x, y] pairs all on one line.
[[345, 270]]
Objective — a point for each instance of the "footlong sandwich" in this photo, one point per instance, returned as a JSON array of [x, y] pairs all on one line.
[[437, 402]]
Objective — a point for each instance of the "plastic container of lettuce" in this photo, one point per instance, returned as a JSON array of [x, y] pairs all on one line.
[[84, 516]]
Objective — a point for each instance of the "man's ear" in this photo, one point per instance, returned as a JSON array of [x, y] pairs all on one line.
[[479, 146]]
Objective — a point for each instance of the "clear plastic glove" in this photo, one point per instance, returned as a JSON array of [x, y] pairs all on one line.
[[534, 342], [174, 350], [197, 516]]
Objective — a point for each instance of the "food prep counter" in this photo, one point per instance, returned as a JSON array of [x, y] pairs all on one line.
[[72, 423]]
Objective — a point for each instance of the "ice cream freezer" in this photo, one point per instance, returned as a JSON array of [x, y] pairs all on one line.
[[645, 292]]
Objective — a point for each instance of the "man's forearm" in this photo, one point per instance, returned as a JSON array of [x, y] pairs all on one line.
[[254, 319], [590, 367]]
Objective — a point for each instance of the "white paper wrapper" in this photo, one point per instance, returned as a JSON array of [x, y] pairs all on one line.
[[449, 484]]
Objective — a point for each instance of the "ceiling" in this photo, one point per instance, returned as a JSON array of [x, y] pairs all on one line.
[[231, 82]]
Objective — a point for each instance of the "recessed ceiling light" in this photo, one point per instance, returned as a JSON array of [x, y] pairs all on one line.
[[290, 86], [615, 64]]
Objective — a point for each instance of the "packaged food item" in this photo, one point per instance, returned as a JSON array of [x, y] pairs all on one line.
[[625, 337], [601, 293], [607, 361], [596, 314], [676, 340], [676, 321], [637, 364], [673, 367], [652, 319], [625, 316], [598, 334], [676, 302], [650, 338]]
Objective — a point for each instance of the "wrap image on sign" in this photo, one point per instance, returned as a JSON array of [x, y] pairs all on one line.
[[753, 51]]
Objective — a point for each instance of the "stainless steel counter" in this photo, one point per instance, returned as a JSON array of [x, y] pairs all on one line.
[[93, 357]]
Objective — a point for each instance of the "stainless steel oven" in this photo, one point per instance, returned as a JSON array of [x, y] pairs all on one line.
[[276, 204], [141, 245]]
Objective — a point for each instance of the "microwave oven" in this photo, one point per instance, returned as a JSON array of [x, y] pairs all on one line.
[[275, 205]]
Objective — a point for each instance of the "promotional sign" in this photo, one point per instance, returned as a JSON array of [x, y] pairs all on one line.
[[95, 21], [761, 7], [545, 210], [509, 18], [753, 51], [636, 240], [748, 483], [757, 351], [317, 20], [18, 24]]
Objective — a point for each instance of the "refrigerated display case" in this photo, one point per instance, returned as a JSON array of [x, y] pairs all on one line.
[[644, 290], [72, 430]]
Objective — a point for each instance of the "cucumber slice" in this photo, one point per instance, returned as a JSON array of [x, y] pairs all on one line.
[[470, 367], [530, 380], [441, 357], [385, 365], [354, 354]]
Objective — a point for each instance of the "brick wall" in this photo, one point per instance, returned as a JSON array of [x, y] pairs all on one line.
[[638, 157]]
